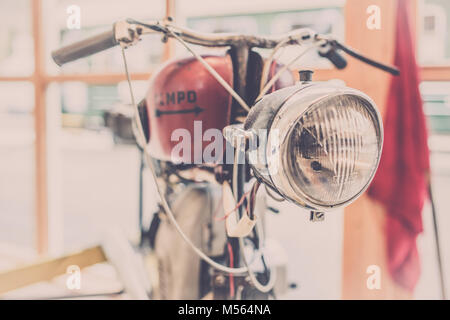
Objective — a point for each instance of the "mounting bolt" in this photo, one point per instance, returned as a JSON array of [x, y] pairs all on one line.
[[220, 280], [306, 75], [239, 138], [316, 216]]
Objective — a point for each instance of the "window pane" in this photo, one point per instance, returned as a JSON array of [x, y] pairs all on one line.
[[434, 28], [99, 169], [436, 97], [16, 49], [17, 163], [266, 18], [96, 17]]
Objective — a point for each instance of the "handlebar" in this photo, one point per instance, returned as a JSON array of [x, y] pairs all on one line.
[[226, 39], [127, 32], [84, 48]]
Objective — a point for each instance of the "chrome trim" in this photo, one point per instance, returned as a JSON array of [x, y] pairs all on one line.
[[286, 118], [282, 114]]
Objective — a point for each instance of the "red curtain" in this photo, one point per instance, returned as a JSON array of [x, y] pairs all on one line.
[[401, 180]]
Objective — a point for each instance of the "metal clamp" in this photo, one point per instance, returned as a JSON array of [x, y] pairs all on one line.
[[240, 139]]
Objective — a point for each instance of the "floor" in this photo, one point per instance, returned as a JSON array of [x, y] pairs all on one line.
[[99, 190], [97, 282]]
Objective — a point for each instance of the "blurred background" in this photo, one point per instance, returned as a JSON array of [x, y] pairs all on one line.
[[65, 178]]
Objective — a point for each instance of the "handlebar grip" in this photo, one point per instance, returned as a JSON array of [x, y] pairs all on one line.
[[335, 57], [84, 48]]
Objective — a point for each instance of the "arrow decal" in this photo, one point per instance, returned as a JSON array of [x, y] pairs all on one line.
[[196, 110]]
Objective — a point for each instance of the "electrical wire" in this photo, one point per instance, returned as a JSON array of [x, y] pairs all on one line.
[[264, 288], [230, 253], [241, 201]]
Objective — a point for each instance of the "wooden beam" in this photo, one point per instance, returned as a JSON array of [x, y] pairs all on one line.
[[90, 78], [435, 73], [326, 74], [426, 73], [169, 47], [48, 269], [41, 194], [97, 78], [15, 79], [40, 81], [364, 220]]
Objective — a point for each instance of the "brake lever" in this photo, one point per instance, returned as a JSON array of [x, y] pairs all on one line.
[[391, 69], [127, 34]]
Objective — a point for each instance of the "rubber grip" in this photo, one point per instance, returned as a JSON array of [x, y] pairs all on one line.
[[84, 48]]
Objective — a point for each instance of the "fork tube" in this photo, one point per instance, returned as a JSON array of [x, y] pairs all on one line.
[[239, 56]]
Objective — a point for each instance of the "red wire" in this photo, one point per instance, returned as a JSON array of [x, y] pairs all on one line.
[[230, 252], [237, 206]]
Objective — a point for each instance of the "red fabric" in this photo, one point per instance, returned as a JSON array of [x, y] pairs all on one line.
[[401, 180]]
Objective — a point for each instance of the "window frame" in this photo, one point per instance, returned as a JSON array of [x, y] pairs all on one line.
[[41, 80]]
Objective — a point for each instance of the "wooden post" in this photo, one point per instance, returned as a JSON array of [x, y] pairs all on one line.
[[364, 220], [169, 47], [41, 195]]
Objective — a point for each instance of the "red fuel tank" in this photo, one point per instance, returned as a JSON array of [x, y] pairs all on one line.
[[184, 101]]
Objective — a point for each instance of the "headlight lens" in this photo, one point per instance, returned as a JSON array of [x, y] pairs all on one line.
[[332, 150]]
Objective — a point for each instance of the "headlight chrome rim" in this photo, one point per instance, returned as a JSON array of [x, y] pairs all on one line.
[[291, 110]]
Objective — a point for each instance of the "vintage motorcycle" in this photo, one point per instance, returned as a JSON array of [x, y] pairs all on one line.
[[213, 129]]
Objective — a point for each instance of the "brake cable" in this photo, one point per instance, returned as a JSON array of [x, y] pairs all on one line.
[[270, 59], [211, 71], [282, 70]]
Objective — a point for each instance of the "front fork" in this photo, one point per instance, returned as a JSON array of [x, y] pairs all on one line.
[[239, 57]]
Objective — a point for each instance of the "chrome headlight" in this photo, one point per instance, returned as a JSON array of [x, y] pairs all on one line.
[[319, 145]]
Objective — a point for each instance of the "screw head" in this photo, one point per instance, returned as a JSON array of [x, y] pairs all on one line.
[[306, 75], [220, 280], [317, 216]]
